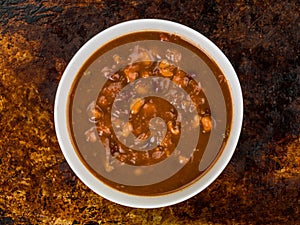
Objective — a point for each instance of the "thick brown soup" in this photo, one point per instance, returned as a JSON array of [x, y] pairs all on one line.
[[149, 113]]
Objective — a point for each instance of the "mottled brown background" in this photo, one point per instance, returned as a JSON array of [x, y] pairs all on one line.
[[259, 186]]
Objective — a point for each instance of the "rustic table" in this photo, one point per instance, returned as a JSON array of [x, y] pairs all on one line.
[[261, 184]]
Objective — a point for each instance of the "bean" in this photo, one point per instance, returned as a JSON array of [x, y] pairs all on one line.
[[206, 123], [174, 129], [166, 72], [136, 105], [131, 73], [165, 68]]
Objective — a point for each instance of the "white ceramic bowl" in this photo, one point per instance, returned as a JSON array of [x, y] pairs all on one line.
[[61, 111]]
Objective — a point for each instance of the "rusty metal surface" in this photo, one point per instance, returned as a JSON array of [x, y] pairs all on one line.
[[259, 186]]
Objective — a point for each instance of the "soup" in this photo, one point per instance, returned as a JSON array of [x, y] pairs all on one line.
[[149, 113]]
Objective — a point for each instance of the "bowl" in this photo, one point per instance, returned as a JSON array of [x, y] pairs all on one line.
[[212, 162]]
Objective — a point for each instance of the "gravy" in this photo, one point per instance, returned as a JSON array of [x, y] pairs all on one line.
[[149, 113]]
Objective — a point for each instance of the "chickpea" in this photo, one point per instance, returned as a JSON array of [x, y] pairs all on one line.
[[164, 64], [174, 129], [206, 123], [180, 79], [131, 73], [136, 105], [145, 74], [166, 72], [165, 68], [102, 101]]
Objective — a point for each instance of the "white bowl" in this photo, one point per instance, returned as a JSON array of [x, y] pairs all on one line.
[[61, 112]]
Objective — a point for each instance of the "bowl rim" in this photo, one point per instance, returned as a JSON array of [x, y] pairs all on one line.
[[61, 103]]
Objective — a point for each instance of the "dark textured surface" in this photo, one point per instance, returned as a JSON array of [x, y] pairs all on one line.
[[261, 183]]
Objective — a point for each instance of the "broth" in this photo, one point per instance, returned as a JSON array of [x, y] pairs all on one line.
[[149, 113]]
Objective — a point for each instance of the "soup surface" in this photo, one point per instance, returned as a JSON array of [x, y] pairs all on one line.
[[149, 113]]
